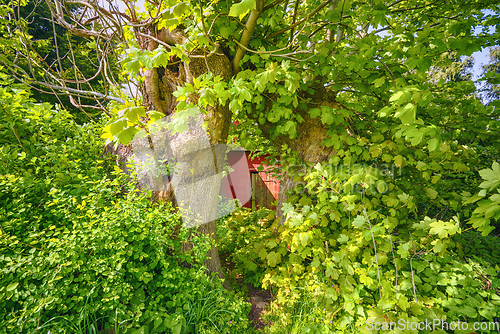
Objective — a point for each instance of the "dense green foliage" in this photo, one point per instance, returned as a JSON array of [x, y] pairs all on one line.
[[357, 246], [327, 278], [491, 76], [77, 239], [391, 157]]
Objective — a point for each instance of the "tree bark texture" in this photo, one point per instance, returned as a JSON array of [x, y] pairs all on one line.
[[196, 157], [308, 144]]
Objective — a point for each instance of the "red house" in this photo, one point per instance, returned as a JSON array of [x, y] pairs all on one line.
[[250, 181]]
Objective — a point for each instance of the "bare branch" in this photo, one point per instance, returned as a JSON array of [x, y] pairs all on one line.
[[272, 4], [58, 15], [395, 3], [155, 39], [99, 10], [82, 93], [272, 53], [320, 7], [295, 18]]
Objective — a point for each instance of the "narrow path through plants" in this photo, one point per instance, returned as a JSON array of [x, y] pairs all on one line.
[[259, 298]]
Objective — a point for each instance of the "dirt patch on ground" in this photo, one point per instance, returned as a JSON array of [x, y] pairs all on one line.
[[259, 298]]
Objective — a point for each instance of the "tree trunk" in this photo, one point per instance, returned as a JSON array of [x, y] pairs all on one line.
[[308, 144], [197, 180]]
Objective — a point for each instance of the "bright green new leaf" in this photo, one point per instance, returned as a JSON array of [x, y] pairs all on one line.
[[12, 286], [407, 114], [242, 8], [396, 96], [161, 58], [431, 193], [359, 221]]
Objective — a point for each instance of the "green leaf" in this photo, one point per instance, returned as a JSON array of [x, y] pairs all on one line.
[[273, 258], [142, 330], [407, 114], [117, 126], [396, 96], [242, 8], [343, 238], [382, 187], [431, 193], [126, 136], [385, 111], [160, 59], [157, 323], [12, 286], [176, 329], [347, 283], [433, 144], [133, 66], [491, 177], [359, 221], [290, 128], [287, 208], [155, 115], [399, 161], [378, 82], [180, 9], [332, 272], [403, 250], [326, 118], [314, 112], [133, 113]]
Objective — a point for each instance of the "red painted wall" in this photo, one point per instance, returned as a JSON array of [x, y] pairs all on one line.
[[238, 183]]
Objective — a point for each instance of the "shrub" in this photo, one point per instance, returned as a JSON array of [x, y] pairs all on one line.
[[241, 236], [77, 254], [353, 250]]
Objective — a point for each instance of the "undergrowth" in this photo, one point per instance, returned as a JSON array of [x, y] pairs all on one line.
[[78, 254]]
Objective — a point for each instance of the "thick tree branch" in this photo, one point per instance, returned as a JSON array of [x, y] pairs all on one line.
[[247, 34], [58, 15]]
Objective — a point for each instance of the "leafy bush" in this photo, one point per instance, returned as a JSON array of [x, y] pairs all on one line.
[[488, 200], [76, 253], [242, 235], [471, 244], [350, 251]]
